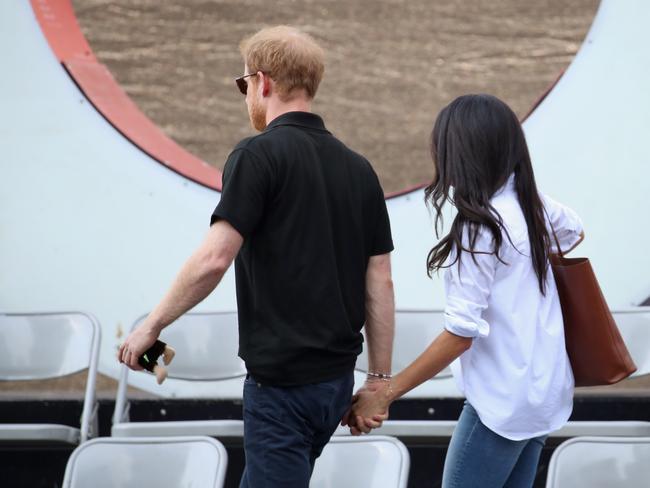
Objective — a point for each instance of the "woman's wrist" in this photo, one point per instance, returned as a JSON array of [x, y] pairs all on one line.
[[393, 392], [389, 384]]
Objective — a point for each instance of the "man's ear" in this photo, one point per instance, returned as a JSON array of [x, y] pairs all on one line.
[[266, 85]]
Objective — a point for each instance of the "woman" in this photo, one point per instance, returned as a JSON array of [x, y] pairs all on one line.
[[502, 315]]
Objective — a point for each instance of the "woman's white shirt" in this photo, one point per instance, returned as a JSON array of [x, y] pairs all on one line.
[[516, 374]]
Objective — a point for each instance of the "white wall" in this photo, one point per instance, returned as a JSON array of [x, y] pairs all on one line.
[[89, 222]]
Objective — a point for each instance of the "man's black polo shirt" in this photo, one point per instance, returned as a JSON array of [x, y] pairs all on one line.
[[311, 212]]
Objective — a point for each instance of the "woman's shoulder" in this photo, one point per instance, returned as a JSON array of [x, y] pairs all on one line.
[[513, 220]]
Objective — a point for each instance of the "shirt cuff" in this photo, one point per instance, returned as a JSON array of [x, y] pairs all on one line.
[[569, 235], [466, 328], [239, 226]]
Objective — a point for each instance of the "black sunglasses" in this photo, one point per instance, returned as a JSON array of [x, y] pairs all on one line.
[[242, 84]]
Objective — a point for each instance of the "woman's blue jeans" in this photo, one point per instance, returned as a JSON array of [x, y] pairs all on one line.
[[477, 457]]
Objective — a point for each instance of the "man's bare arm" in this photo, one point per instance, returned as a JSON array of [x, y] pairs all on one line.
[[198, 277], [380, 331], [380, 314]]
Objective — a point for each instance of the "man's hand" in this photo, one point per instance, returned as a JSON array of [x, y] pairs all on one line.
[[136, 344], [200, 274], [369, 407]]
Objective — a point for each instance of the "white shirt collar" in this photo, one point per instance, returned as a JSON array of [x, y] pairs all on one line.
[[508, 187]]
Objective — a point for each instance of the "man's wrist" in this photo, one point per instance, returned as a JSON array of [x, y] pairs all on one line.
[[154, 324], [378, 376]]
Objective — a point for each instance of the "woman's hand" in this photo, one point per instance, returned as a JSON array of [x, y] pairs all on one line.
[[369, 407]]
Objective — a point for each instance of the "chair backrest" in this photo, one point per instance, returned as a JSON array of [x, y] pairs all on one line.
[[600, 462], [371, 462], [414, 331], [147, 462], [47, 345], [35, 346], [634, 325], [206, 347]]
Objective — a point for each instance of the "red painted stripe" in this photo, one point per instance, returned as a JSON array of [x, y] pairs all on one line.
[[109, 99], [410, 189], [543, 96], [59, 25]]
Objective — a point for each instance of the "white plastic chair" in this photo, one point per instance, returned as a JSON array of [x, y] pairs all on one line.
[[38, 346], [206, 351], [147, 463], [600, 462], [414, 331], [369, 462], [427, 429], [634, 325]]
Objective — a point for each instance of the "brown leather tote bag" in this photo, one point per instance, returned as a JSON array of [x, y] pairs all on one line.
[[594, 344]]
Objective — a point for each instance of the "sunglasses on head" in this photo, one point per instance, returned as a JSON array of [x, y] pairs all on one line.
[[242, 84]]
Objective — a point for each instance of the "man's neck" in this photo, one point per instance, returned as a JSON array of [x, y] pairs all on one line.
[[277, 107]]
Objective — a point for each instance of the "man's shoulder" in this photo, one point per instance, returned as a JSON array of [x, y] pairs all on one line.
[[351, 155], [362, 163], [250, 143], [267, 142], [264, 142], [252, 148]]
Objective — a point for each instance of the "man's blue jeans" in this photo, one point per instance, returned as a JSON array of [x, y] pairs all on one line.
[[286, 428], [478, 457]]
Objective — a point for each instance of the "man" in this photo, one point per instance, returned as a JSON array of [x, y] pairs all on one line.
[[306, 219]]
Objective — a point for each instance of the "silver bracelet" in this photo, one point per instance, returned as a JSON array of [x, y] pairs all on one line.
[[380, 376]]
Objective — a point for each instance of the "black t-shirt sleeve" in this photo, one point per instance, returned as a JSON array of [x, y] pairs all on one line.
[[245, 191], [381, 241]]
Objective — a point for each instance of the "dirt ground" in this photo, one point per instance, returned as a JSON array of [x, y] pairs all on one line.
[[391, 64]]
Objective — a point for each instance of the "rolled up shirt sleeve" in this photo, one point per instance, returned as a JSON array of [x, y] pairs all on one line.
[[467, 289], [564, 221]]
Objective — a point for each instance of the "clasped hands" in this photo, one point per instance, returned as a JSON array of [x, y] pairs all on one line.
[[369, 407]]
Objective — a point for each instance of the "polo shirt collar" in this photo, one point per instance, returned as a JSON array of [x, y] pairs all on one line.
[[301, 119]]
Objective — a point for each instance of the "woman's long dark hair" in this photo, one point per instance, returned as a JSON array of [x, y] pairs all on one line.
[[476, 144]]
